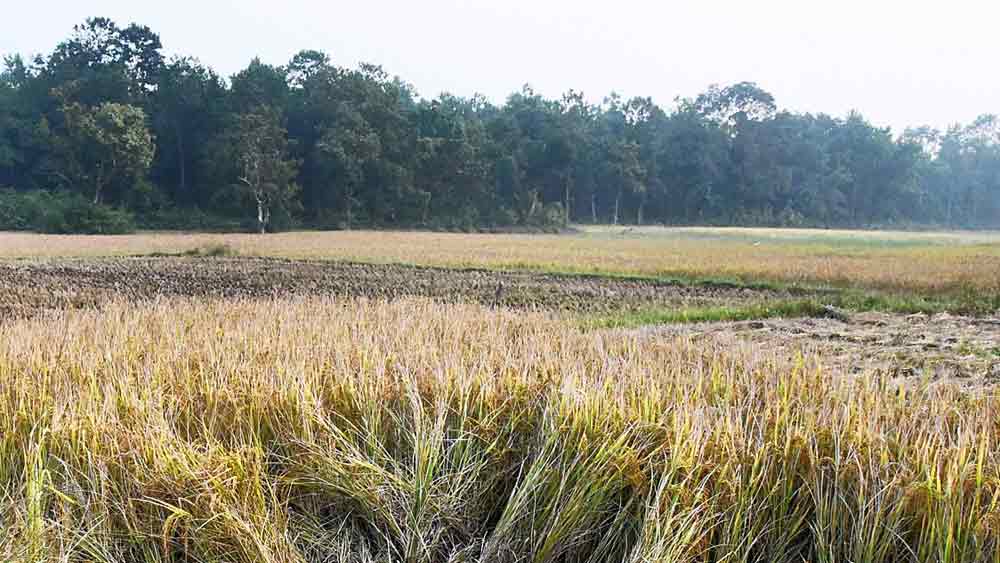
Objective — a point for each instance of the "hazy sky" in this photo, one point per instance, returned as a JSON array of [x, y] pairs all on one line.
[[901, 62]]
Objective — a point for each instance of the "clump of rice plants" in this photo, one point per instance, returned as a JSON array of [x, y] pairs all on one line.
[[213, 250], [413, 431]]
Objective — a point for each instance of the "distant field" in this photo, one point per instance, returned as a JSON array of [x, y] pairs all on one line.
[[925, 262]]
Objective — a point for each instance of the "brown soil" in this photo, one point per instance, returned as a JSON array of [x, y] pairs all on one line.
[[30, 286]]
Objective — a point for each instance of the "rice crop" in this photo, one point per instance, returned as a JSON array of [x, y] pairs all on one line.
[[314, 429]]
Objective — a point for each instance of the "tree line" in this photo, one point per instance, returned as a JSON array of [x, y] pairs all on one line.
[[109, 124]]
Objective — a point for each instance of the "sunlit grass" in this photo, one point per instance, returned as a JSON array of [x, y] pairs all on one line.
[[314, 430], [781, 309], [831, 237]]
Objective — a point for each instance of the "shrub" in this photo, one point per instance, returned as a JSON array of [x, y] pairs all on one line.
[[214, 250], [187, 219], [72, 213], [60, 212], [19, 211]]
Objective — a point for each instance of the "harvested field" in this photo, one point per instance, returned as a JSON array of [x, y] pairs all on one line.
[[917, 262], [901, 347], [31, 286]]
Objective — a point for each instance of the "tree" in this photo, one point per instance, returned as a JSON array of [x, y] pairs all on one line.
[[864, 155], [453, 169], [258, 85], [98, 48], [109, 145], [187, 111], [264, 171], [735, 105], [365, 149], [692, 166], [622, 169], [971, 156], [27, 150], [305, 66], [573, 147], [351, 148]]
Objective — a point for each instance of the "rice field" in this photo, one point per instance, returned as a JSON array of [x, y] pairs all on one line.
[[895, 261], [316, 429], [380, 397]]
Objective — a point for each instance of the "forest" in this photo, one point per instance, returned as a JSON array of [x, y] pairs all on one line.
[[108, 134]]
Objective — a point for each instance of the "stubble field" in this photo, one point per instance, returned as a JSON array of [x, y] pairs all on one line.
[[313, 397], [929, 262]]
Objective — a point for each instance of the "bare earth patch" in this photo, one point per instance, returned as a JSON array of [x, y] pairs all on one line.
[[31, 286], [902, 347]]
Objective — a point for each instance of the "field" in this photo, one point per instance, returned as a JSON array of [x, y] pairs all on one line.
[[631, 395], [891, 261]]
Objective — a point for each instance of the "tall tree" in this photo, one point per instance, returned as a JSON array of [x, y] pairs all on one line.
[[351, 149], [187, 110]]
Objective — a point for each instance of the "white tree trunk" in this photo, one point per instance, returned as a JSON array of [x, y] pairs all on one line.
[[263, 214]]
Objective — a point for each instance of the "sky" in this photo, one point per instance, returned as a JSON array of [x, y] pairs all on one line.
[[899, 62]]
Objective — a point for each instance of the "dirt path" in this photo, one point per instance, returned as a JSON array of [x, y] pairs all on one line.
[[27, 286]]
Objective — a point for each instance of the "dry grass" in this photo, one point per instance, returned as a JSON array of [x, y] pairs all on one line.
[[312, 430], [924, 262]]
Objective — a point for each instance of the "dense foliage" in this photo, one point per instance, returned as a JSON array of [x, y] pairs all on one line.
[[106, 116]]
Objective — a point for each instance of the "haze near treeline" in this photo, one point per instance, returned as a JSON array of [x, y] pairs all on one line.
[[902, 63], [110, 115]]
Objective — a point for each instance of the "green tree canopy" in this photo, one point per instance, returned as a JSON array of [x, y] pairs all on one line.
[[106, 114]]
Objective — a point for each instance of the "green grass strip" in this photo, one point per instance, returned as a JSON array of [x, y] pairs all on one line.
[[782, 309]]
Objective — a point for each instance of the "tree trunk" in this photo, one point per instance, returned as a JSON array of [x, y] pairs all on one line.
[[639, 213], [593, 208], [181, 161], [618, 200], [349, 207], [566, 199], [261, 224], [99, 187]]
